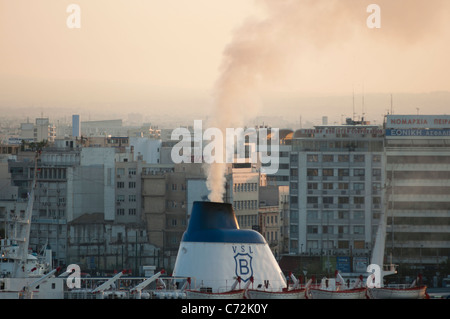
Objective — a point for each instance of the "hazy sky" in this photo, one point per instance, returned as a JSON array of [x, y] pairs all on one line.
[[149, 55]]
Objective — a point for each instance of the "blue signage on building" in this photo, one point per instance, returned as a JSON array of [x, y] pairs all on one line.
[[418, 132], [343, 264]]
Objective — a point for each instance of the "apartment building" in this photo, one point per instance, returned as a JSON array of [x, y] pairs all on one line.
[[166, 191], [245, 194], [336, 189], [41, 130], [418, 188]]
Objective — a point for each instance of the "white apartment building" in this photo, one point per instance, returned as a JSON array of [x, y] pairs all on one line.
[[246, 182], [336, 183]]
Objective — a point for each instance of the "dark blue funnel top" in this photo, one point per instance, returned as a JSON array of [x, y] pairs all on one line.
[[216, 222]]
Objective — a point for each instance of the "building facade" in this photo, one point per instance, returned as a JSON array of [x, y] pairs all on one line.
[[336, 190], [418, 188]]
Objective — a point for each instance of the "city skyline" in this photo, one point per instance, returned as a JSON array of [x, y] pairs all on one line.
[[153, 57]]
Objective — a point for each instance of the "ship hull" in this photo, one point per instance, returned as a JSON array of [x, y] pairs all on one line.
[[358, 293], [235, 294], [395, 293], [292, 294]]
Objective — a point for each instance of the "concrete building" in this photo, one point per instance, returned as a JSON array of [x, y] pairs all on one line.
[[165, 210], [10, 204], [76, 126], [128, 192], [336, 181], [270, 218], [245, 194], [42, 130], [71, 182], [281, 177], [146, 149], [418, 188], [101, 246]]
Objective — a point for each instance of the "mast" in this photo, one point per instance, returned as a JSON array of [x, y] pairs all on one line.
[[22, 233], [377, 257]]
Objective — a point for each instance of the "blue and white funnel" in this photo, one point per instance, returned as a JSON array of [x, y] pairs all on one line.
[[214, 251]]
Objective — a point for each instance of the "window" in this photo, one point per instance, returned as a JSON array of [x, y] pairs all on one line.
[[358, 230], [358, 158], [327, 158], [120, 171], [131, 198], [120, 184], [327, 244], [120, 198], [131, 184], [358, 172], [311, 215], [343, 172], [312, 244], [358, 186], [327, 215], [312, 200], [343, 158], [376, 187], [120, 211], [359, 244], [343, 244], [342, 229], [376, 158], [343, 200], [358, 200], [327, 185], [312, 158], [327, 229], [310, 186], [343, 215], [376, 172], [294, 200], [343, 185], [358, 215], [294, 158], [327, 200], [312, 229], [328, 172], [312, 172], [132, 211], [131, 171]]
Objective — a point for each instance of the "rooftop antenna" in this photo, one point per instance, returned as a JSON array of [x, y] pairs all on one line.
[[392, 105], [362, 106], [353, 87]]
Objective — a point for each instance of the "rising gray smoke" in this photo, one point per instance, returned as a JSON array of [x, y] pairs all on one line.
[[262, 49]]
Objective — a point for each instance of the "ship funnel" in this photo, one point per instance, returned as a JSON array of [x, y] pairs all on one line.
[[214, 251]]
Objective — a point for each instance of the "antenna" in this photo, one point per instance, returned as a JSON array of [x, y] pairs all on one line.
[[362, 106], [353, 117], [392, 105]]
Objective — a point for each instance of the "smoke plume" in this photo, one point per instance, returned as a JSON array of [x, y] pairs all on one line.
[[263, 48]]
